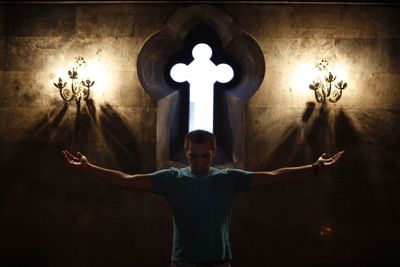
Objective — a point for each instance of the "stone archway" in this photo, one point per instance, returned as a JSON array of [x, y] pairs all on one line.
[[152, 65]]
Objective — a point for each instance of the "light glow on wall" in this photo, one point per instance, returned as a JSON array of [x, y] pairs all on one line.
[[102, 78], [91, 71], [325, 80], [303, 75], [327, 85]]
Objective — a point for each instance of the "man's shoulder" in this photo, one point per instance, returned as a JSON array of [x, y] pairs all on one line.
[[234, 172], [172, 171], [228, 170]]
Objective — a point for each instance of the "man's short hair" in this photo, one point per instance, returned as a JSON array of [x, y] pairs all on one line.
[[199, 137]]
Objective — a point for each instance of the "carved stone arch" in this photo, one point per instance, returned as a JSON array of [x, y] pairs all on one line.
[[152, 69]]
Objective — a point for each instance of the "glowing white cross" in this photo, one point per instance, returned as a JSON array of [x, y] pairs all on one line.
[[201, 74]]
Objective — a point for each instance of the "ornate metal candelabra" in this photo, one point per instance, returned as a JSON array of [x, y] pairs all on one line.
[[79, 88], [322, 86]]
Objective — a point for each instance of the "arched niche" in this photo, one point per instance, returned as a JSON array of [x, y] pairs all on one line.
[[154, 61]]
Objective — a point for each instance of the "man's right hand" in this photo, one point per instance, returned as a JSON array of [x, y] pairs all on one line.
[[78, 161], [136, 181]]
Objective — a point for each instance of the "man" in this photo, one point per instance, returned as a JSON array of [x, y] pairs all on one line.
[[200, 196]]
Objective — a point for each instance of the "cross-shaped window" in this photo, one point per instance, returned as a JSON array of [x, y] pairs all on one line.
[[201, 74]]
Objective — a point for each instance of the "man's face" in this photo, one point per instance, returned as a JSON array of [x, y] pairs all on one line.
[[200, 157]]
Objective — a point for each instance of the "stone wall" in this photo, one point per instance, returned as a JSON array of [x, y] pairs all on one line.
[[358, 199], [52, 215]]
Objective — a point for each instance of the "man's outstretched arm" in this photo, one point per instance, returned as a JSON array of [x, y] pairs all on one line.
[[135, 181], [281, 175]]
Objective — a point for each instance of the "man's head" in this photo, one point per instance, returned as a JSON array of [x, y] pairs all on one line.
[[200, 148]]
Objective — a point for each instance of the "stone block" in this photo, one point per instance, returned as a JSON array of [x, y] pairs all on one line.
[[39, 20]]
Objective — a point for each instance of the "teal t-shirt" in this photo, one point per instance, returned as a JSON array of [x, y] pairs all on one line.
[[201, 210]]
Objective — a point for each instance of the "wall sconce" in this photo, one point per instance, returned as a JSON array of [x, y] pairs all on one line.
[[322, 86], [79, 89]]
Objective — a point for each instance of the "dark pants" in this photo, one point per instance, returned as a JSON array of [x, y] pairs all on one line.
[[201, 264]]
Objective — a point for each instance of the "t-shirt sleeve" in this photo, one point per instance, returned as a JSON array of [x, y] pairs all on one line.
[[158, 180], [242, 179]]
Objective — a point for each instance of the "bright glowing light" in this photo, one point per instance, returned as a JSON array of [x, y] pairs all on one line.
[[201, 74], [61, 73], [97, 72], [341, 73], [179, 72], [303, 75], [82, 80], [328, 86]]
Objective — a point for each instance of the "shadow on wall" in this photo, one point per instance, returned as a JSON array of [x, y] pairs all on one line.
[[319, 128], [118, 138], [341, 198], [28, 178], [120, 143], [43, 201], [114, 130]]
